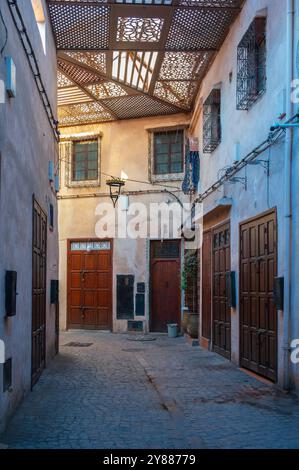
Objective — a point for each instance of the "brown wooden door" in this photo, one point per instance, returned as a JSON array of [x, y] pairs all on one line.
[[165, 284], [258, 315], [90, 285], [206, 285], [39, 273], [221, 274]]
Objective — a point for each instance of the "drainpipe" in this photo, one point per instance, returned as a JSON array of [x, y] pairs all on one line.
[[288, 195]]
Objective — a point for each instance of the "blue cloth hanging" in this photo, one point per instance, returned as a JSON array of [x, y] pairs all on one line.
[[191, 178]]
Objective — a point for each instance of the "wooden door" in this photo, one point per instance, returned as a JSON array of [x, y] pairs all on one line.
[[165, 284], [39, 274], [90, 285], [258, 315], [207, 285], [221, 275]]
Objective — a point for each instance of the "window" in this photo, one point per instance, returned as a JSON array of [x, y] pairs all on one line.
[[168, 152], [38, 9], [212, 121], [85, 161], [251, 67]]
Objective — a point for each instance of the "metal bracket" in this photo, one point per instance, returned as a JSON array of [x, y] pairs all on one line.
[[237, 179], [264, 163]]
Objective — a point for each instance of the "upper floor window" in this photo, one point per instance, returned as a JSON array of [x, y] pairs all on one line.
[[251, 67], [85, 160], [39, 13], [169, 152], [212, 121]]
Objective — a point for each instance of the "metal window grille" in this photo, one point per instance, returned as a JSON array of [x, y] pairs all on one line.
[[85, 160], [251, 66], [212, 121], [168, 152]]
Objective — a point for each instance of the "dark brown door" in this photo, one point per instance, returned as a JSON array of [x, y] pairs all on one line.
[[165, 284], [90, 285], [206, 285], [39, 272], [258, 315], [221, 276]]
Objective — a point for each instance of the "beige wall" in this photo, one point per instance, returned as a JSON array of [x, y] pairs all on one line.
[[124, 146]]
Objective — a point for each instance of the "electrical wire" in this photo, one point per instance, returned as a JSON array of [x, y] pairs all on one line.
[[131, 180], [6, 33]]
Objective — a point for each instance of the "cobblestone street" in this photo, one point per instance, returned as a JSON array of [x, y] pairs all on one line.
[[116, 393]]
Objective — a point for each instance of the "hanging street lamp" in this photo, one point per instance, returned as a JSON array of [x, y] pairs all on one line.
[[115, 185]]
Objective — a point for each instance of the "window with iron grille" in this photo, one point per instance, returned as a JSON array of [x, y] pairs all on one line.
[[168, 152], [212, 121], [251, 67], [85, 161]]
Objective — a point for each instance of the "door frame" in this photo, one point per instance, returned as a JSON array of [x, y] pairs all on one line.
[[87, 240], [179, 241], [35, 202], [213, 228], [244, 222], [207, 341]]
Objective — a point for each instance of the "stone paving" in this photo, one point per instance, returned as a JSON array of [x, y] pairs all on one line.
[[117, 393]]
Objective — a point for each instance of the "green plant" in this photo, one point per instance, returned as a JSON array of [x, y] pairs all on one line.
[[190, 268]]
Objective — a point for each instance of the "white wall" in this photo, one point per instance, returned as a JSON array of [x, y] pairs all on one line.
[[249, 128], [26, 145]]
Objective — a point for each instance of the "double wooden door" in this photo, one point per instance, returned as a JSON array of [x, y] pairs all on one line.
[[221, 290], [39, 274], [90, 285], [258, 315], [165, 284]]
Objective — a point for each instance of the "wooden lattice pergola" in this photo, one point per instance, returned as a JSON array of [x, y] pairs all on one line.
[[121, 59]]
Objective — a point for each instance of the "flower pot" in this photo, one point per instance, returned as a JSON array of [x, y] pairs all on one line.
[[193, 324]]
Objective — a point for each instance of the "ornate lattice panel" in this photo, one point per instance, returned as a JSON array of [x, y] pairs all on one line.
[[199, 29], [211, 3], [78, 74], [179, 93], [184, 65], [139, 29], [62, 80], [106, 90], [82, 113], [138, 106], [96, 60], [80, 26], [139, 57]]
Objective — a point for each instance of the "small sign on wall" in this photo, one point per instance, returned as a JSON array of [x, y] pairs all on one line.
[[11, 77]]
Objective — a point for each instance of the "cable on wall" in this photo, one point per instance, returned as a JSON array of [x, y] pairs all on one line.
[[6, 33], [32, 60], [273, 137]]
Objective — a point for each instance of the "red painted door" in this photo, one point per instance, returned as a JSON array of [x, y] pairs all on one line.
[[165, 284], [90, 285]]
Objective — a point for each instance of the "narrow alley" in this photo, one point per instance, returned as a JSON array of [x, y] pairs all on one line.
[[105, 391]]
